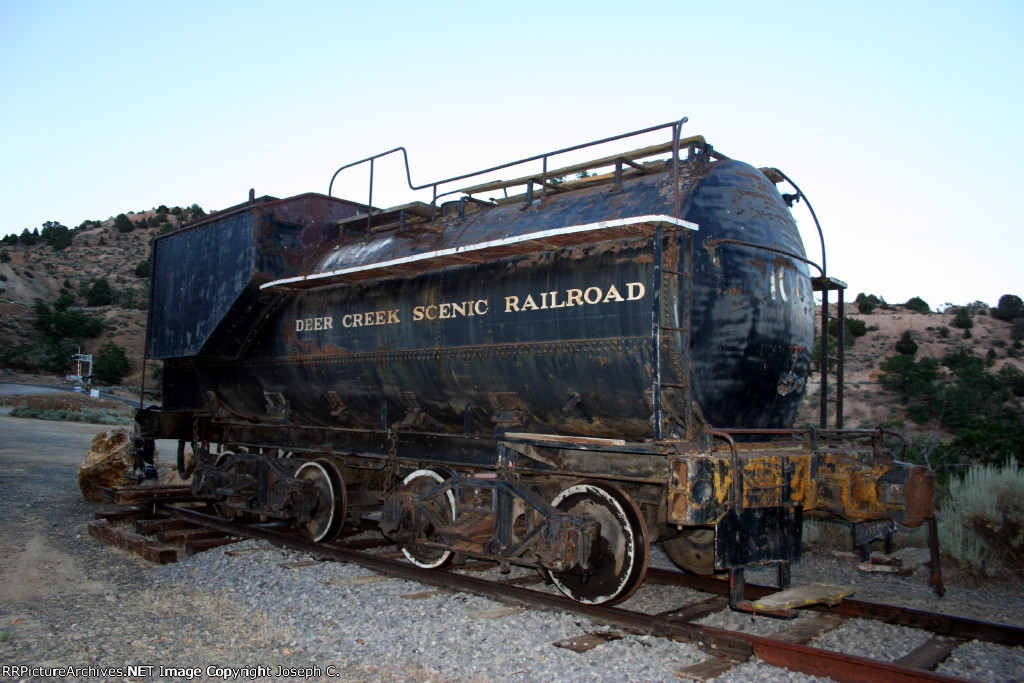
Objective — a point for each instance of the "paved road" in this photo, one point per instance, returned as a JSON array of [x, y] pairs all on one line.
[[15, 388]]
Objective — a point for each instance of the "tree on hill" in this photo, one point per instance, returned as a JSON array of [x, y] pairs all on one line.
[[99, 293], [963, 319], [867, 303], [906, 344], [123, 223], [918, 305], [29, 238], [110, 365], [979, 407], [56, 235], [1010, 307], [60, 323]]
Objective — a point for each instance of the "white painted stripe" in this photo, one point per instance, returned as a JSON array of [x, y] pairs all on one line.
[[515, 239]]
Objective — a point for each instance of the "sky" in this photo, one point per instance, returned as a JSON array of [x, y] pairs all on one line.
[[903, 122]]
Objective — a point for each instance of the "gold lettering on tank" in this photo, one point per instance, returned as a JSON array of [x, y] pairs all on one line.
[[513, 303]]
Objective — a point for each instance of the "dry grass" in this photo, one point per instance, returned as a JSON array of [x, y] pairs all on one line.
[[981, 520]]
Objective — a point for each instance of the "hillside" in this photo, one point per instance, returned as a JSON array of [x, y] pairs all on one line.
[[867, 403], [38, 272]]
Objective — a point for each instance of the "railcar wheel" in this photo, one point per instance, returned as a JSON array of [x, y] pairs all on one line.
[[331, 504], [420, 482], [694, 551], [226, 511], [186, 461], [619, 557]]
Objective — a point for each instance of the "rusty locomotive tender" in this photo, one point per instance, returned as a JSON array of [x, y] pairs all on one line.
[[555, 377]]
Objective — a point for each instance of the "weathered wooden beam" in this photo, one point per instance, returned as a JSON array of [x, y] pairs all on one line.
[[134, 495], [189, 534], [151, 550], [148, 527], [127, 515]]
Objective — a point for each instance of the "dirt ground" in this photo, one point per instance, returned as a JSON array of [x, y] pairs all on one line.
[[43, 545]]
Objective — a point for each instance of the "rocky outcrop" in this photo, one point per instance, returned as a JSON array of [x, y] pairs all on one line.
[[108, 461]]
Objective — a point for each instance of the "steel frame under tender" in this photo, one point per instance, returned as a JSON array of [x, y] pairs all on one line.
[[495, 494]]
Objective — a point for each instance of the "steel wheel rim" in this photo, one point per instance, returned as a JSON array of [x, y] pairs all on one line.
[[623, 551], [429, 558], [327, 522]]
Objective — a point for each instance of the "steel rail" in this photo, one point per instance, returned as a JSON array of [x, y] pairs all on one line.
[[934, 622], [719, 642]]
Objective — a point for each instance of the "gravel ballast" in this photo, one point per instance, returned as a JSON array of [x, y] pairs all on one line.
[[82, 603]]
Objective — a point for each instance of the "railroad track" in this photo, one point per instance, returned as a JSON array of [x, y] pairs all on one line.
[[724, 648]]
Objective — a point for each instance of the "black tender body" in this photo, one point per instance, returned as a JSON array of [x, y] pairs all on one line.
[[556, 378]]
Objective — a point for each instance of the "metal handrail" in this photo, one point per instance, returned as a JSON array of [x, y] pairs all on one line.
[[676, 130]]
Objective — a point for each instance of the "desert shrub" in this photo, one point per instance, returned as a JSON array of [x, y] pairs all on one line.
[[1010, 306], [982, 519], [816, 352], [56, 235], [918, 305], [1012, 378], [963, 319], [60, 323], [855, 328], [99, 293], [28, 238], [94, 416], [4, 257], [906, 344], [110, 365], [123, 223], [944, 332], [867, 303], [144, 269]]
